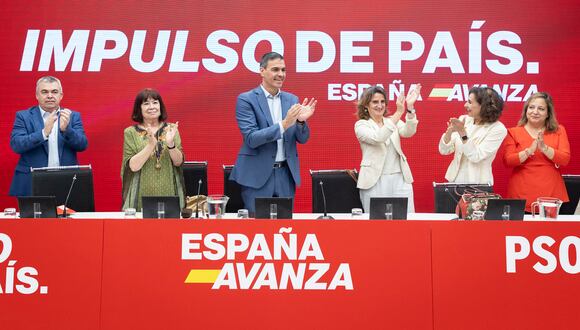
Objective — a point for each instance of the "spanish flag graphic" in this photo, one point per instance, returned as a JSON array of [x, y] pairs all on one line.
[[440, 92]]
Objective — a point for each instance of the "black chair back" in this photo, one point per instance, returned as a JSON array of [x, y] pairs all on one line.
[[56, 181], [573, 187], [192, 172], [340, 189], [233, 190]]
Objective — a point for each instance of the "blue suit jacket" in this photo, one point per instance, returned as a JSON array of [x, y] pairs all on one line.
[[258, 152], [27, 140]]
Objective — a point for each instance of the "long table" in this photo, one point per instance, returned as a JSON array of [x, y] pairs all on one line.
[[285, 274]]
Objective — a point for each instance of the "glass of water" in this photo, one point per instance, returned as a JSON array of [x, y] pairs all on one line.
[[160, 210], [273, 211], [356, 213], [243, 214], [477, 215], [10, 212], [505, 215], [37, 210], [389, 211], [130, 213]]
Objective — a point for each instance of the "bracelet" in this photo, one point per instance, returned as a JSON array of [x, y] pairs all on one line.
[[411, 111], [168, 147], [300, 122], [527, 152]]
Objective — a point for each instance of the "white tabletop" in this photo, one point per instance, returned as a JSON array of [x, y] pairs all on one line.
[[312, 216], [307, 216]]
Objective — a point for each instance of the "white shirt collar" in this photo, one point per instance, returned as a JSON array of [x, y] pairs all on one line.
[[42, 111], [267, 94]]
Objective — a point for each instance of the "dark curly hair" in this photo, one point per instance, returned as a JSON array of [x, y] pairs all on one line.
[[491, 103]]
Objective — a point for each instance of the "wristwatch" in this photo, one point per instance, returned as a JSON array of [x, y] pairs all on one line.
[[411, 111]]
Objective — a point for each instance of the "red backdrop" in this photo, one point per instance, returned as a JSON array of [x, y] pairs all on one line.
[[518, 39]]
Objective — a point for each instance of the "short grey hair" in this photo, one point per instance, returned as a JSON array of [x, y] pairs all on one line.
[[49, 79]]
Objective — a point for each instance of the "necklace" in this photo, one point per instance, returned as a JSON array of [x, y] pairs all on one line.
[[158, 151], [158, 154]]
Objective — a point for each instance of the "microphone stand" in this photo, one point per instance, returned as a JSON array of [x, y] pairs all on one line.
[[325, 216], [197, 200], [74, 179]]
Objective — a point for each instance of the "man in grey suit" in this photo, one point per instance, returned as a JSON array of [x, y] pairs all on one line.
[[271, 122]]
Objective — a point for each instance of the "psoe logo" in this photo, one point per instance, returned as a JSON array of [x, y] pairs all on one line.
[[23, 279], [279, 262], [546, 251]]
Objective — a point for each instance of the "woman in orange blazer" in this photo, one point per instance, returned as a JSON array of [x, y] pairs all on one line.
[[536, 149]]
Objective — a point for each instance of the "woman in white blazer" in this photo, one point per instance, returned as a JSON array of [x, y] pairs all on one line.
[[384, 171], [474, 138]]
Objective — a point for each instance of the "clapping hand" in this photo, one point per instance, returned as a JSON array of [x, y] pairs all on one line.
[[456, 125], [307, 109], [151, 139], [401, 103], [292, 116], [540, 141], [412, 96], [50, 123], [170, 135], [65, 115]]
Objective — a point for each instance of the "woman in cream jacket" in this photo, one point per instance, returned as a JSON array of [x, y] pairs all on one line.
[[384, 171], [474, 138]]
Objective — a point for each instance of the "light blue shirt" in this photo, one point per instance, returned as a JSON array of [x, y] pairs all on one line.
[[275, 105]]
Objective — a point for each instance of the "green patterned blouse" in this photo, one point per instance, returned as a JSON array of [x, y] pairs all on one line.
[[158, 176]]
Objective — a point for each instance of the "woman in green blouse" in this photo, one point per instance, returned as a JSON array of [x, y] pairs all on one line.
[[152, 153]]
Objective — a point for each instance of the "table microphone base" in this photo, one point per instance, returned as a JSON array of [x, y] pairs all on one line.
[[325, 217]]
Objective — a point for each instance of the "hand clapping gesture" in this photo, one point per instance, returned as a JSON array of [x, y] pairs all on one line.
[[401, 104], [456, 125], [412, 96], [151, 139], [540, 141], [170, 135], [65, 115], [307, 109], [52, 118]]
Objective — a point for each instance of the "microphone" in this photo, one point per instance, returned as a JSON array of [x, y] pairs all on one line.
[[197, 200], [74, 179], [325, 216]]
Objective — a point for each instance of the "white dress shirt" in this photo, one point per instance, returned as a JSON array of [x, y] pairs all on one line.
[[275, 105], [52, 138]]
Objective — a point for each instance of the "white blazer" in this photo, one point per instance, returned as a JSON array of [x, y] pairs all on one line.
[[480, 149], [373, 143]]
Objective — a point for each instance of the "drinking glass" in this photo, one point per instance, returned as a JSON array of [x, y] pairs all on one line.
[[160, 210], [37, 211], [505, 215], [273, 211], [243, 214], [389, 211], [477, 215]]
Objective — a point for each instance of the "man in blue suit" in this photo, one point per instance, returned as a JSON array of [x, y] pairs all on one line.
[[271, 122], [45, 135]]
